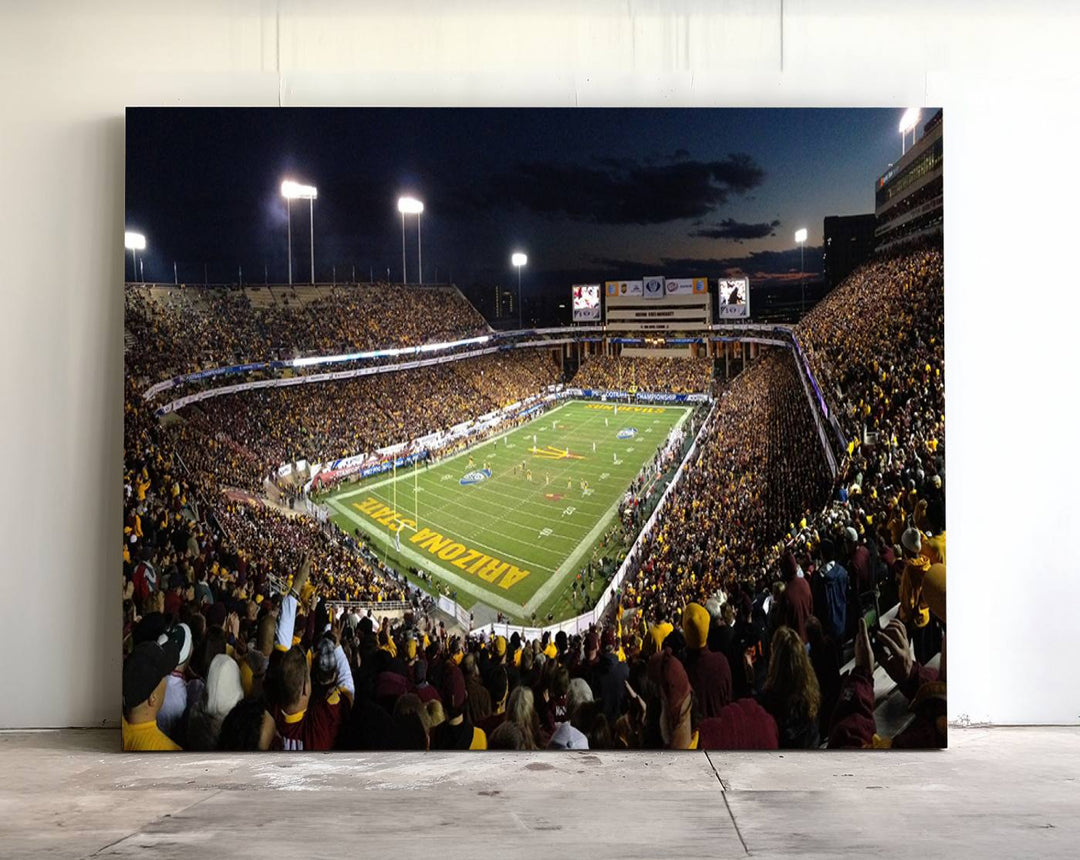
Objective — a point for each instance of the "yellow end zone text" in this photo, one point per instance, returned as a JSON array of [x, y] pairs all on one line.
[[610, 406], [486, 567]]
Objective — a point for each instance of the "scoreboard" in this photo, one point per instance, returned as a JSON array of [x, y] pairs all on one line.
[[734, 297], [586, 302], [656, 303]]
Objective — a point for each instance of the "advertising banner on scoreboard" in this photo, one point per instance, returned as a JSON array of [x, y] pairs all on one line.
[[701, 285], [734, 297], [586, 302], [653, 287], [679, 286], [622, 288]]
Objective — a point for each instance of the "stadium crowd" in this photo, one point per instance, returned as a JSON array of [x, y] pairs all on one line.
[[186, 537], [293, 673], [181, 329], [758, 470], [732, 624], [618, 373], [249, 434]]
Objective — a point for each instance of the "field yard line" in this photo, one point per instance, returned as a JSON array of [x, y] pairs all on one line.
[[469, 450], [479, 592], [521, 502], [555, 578], [501, 553], [483, 501], [544, 591], [444, 514], [545, 506], [443, 510]]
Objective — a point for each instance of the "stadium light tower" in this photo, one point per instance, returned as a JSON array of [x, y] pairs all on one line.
[[411, 206], [519, 260], [800, 239], [295, 191], [908, 122], [134, 242]]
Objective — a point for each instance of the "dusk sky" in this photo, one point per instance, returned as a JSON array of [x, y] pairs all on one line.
[[587, 194]]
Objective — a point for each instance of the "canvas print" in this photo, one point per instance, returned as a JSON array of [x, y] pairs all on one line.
[[534, 429]]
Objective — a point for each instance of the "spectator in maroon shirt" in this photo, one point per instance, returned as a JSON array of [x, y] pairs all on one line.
[[709, 672], [858, 561], [798, 601]]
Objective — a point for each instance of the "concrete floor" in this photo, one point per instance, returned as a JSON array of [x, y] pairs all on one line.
[[995, 793]]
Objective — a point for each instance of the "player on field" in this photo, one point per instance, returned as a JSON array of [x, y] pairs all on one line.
[[528, 475], [594, 447]]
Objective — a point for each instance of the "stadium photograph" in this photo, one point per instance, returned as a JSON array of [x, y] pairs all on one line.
[[534, 429]]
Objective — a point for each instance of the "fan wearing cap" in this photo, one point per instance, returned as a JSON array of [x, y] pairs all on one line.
[[312, 702], [913, 608], [496, 676], [859, 560], [170, 717], [609, 676], [458, 732], [145, 671], [676, 701], [709, 672]]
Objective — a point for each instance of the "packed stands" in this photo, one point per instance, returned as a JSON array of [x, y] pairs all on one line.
[[759, 472], [758, 580], [181, 329], [617, 373], [251, 433]]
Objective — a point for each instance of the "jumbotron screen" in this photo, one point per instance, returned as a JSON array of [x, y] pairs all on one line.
[[733, 297], [586, 302]]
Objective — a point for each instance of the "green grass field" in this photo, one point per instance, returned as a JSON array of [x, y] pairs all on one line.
[[508, 542]]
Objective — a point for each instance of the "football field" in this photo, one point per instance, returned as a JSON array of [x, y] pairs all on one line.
[[511, 521]]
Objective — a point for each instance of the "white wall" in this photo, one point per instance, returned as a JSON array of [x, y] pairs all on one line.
[[68, 69]]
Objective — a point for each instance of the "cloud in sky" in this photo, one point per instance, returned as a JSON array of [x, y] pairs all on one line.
[[738, 231], [760, 265], [626, 191]]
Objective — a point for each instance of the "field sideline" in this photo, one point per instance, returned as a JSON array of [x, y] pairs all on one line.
[[489, 532]]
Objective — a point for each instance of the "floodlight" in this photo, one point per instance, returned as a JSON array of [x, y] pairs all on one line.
[[518, 259], [294, 191], [909, 120], [134, 241], [800, 234], [411, 206]]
